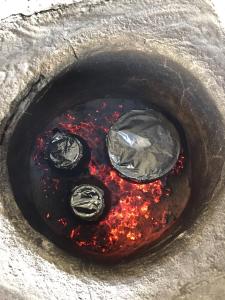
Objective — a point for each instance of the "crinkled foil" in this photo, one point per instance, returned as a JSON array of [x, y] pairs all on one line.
[[65, 151], [143, 145], [87, 202]]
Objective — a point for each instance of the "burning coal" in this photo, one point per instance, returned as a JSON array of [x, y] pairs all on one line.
[[138, 214]]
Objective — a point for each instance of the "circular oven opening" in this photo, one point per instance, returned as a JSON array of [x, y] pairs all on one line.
[[84, 102]]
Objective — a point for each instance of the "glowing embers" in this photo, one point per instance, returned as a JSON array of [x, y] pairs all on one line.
[[136, 214]]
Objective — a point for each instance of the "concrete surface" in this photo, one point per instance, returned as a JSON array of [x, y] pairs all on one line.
[[28, 7], [37, 47]]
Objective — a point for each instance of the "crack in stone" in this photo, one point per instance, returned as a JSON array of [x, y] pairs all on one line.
[[71, 47]]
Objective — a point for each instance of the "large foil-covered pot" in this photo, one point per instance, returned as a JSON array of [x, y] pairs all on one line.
[[143, 145]]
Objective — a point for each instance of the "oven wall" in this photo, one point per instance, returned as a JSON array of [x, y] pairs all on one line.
[[36, 46]]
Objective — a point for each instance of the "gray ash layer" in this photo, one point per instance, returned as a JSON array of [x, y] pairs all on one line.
[[143, 145], [65, 151], [87, 202]]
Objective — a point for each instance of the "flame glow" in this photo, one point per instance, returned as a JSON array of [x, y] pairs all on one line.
[[140, 212]]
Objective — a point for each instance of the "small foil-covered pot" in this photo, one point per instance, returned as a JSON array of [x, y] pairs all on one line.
[[64, 151], [87, 202]]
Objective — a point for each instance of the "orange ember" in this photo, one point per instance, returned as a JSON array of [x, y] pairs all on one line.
[[140, 212]]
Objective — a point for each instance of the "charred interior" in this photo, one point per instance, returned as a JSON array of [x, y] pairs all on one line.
[[123, 216]]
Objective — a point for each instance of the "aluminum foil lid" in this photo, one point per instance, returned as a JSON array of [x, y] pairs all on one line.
[[143, 145], [87, 202], [65, 151]]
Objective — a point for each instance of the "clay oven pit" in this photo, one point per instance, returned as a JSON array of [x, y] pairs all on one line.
[[112, 150], [85, 100]]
